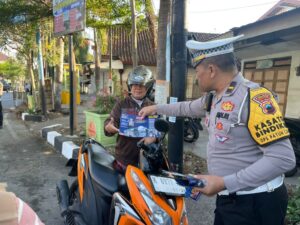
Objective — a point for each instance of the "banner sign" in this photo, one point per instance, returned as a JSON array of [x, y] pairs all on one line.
[[69, 16]]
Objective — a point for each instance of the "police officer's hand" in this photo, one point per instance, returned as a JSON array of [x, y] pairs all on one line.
[[214, 184], [148, 110], [110, 127]]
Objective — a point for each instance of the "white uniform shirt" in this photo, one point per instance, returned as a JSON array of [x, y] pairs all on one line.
[[231, 151]]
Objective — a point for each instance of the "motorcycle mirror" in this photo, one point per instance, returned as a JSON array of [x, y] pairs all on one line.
[[161, 125]]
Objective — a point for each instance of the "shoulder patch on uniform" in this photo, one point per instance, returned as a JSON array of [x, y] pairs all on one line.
[[265, 121]]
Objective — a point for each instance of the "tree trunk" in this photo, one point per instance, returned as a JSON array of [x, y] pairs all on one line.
[[164, 15], [134, 53], [152, 21], [31, 74], [32, 78], [59, 74], [97, 61], [41, 72]]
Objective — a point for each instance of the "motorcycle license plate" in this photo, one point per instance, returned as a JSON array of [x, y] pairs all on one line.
[[167, 185]]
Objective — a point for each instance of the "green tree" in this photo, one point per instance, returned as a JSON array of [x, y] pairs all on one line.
[[12, 69], [152, 21], [18, 24]]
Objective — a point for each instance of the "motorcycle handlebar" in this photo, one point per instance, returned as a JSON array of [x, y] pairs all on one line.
[[141, 144], [150, 150]]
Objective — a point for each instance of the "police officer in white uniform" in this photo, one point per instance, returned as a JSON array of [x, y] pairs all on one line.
[[248, 150]]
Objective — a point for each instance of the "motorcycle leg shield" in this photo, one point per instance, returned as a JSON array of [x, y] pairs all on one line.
[[94, 207]]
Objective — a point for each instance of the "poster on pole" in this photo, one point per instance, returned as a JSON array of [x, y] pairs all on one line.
[[69, 16]]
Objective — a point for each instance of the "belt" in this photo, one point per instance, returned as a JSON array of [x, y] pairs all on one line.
[[268, 187]]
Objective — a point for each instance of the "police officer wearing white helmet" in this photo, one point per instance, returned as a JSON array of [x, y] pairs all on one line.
[[248, 149]]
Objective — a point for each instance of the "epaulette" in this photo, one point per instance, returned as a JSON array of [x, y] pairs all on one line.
[[231, 87]]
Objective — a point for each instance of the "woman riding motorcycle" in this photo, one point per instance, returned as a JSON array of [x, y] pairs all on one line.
[[140, 84]]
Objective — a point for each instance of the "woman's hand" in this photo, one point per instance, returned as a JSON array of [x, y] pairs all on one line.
[[110, 127], [148, 110], [148, 140]]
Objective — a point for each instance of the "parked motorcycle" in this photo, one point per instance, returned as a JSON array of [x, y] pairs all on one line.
[[191, 129], [101, 195]]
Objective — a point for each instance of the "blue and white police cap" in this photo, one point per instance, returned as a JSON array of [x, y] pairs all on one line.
[[202, 50]]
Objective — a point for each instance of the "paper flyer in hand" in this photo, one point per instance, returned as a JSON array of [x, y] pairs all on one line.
[[176, 184], [131, 125]]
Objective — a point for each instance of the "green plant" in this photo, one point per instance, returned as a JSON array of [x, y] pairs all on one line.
[[293, 210], [105, 102]]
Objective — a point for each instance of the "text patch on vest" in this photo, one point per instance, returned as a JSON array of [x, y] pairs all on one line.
[[265, 122]]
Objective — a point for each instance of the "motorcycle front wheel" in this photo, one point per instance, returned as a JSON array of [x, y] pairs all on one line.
[[73, 197], [74, 194]]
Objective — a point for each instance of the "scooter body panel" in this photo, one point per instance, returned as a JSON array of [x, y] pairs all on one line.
[[139, 203], [96, 201]]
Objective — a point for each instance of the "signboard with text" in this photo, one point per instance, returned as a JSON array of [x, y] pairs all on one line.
[[69, 16]]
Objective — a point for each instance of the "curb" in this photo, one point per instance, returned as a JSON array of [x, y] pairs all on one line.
[[34, 118], [61, 144]]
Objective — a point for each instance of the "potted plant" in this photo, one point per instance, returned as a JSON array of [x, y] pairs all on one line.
[[103, 104]]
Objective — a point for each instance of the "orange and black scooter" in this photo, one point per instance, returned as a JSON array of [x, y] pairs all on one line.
[[102, 196]]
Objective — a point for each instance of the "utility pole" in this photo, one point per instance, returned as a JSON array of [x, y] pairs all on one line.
[[178, 80], [72, 89], [110, 61], [97, 61], [41, 72]]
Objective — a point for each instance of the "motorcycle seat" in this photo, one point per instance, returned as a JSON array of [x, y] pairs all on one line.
[[101, 156], [102, 171]]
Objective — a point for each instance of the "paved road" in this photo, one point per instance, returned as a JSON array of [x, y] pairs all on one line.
[[8, 101], [30, 168]]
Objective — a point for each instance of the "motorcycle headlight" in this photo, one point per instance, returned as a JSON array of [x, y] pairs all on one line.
[[158, 216]]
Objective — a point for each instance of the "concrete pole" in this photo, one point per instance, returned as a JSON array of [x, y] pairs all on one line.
[[178, 81]]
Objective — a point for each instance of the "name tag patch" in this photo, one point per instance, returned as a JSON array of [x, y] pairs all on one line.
[[222, 115]]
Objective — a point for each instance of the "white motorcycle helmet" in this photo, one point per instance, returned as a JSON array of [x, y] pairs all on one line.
[[141, 75]]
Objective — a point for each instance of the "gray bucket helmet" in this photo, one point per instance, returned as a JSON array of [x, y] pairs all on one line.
[[143, 76]]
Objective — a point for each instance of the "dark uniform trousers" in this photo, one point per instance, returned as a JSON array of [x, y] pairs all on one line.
[[1, 114], [266, 208]]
